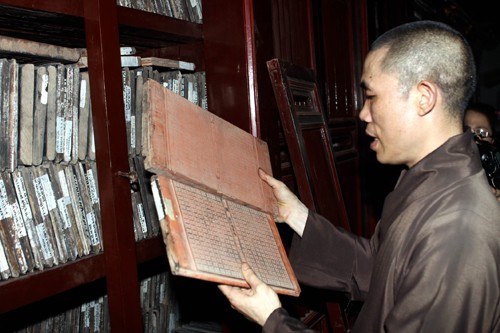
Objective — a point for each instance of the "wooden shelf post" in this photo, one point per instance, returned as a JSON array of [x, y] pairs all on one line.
[[110, 133]]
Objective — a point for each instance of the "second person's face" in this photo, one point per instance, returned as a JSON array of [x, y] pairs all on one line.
[[478, 123]]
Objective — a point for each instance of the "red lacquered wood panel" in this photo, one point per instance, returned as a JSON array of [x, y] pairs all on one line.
[[67, 7], [112, 158], [225, 51]]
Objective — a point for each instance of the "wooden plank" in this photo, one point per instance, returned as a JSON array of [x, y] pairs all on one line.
[[206, 171], [17, 47], [40, 114], [13, 118], [4, 113], [167, 63], [51, 133], [84, 123], [182, 140], [42, 226], [208, 237], [26, 100], [23, 250]]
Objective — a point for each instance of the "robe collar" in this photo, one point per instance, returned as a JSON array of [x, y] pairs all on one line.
[[456, 159]]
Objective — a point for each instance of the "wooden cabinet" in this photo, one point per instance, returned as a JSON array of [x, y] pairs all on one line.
[[222, 46]]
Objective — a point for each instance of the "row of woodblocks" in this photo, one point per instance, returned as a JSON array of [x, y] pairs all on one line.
[[159, 310], [49, 196], [182, 80], [49, 215], [188, 10]]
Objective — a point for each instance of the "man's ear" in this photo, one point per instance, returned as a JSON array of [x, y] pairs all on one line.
[[427, 97]]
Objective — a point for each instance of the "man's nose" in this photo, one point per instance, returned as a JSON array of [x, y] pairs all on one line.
[[364, 114]]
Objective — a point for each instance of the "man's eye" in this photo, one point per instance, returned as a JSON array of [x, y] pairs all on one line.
[[369, 96]]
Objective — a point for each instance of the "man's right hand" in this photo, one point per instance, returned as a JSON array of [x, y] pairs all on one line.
[[290, 209]]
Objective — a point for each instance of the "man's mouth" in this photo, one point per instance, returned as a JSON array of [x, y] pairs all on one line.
[[374, 142]]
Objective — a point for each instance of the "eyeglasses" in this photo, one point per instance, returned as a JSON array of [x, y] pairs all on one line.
[[482, 133]]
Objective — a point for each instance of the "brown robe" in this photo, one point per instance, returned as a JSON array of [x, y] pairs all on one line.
[[433, 263]]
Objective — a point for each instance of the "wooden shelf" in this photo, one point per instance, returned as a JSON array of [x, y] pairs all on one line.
[[33, 287], [51, 27], [64, 25], [55, 280], [146, 30], [150, 249]]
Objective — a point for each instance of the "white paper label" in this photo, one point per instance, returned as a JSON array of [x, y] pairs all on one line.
[[18, 220], [44, 97], [157, 200], [83, 93], [93, 231], [92, 140], [175, 86], [64, 184], [127, 100], [22, 198], [40, 196], [86, 315], [4, 266], [5, 209], [132, 132], [142, 218], [43, 238], [94, 196], [97, 317], [68, 135], [49, 193], [60, 128], [62, 204]]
